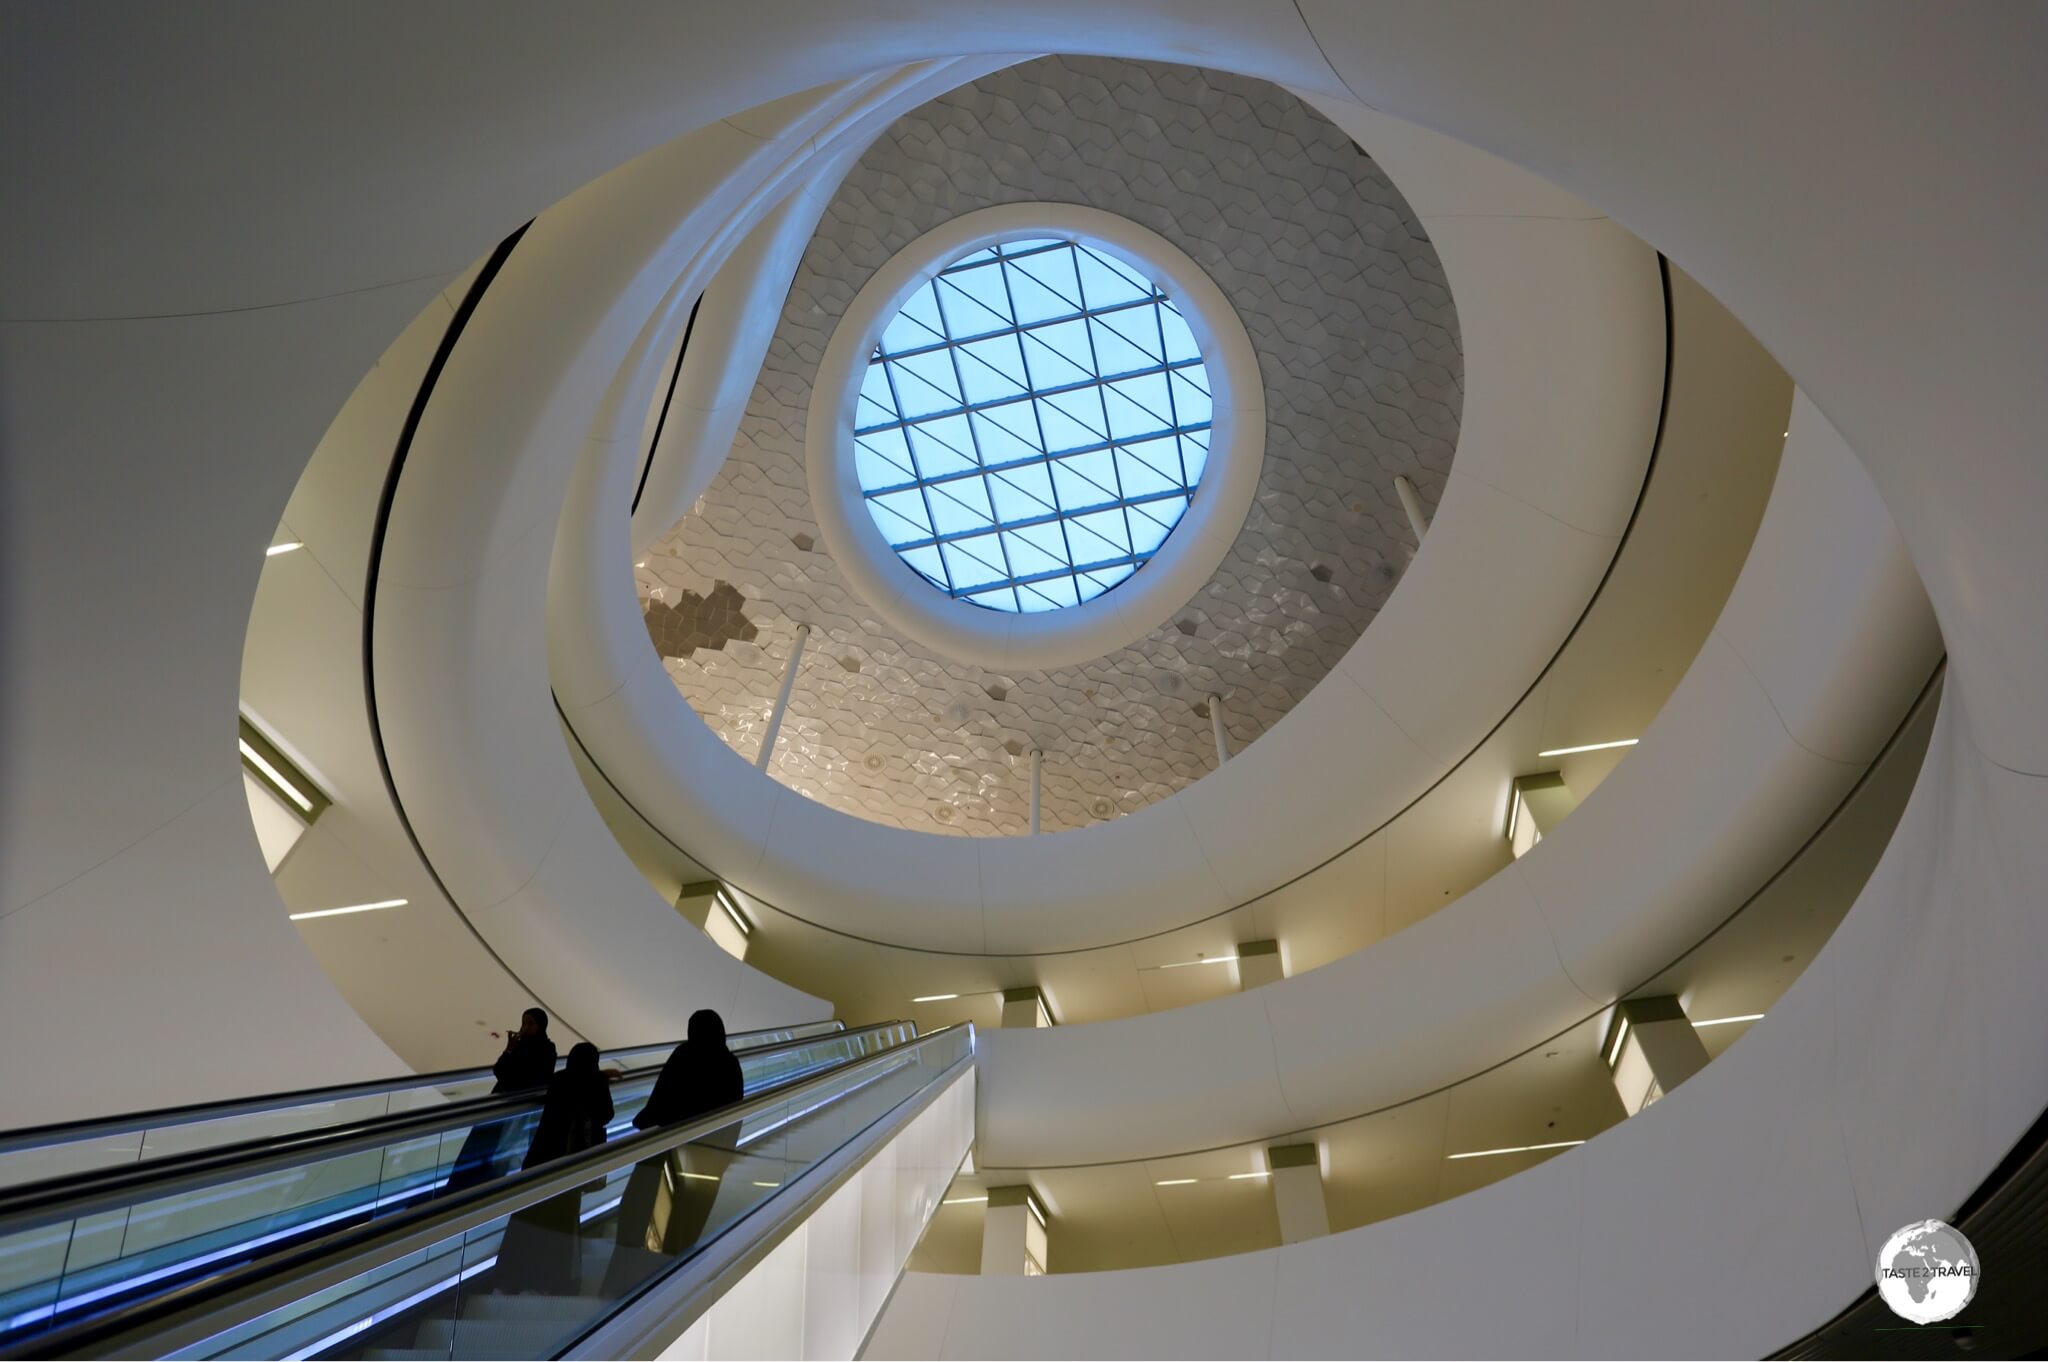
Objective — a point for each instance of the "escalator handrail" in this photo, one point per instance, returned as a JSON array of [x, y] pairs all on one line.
[[163, 1118], [207, 1306], [54, 1200]]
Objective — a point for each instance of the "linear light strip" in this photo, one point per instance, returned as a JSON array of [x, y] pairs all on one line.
[[963, 1200], [391, 1311], [724, 900], [352, 908], [1728, 1021], [275, 777], [1183, 964], [1514, 1149], [186, 1264], [1614, 1046], [1589, 747], [286, 547]]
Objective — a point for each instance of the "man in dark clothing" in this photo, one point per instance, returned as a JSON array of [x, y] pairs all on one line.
[[529, 1058], [527, 1062], [669, 1199]]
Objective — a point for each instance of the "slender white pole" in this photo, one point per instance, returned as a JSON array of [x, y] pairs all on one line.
[[1216, 724], [1412, 504], [796, 654], [1037, 771]]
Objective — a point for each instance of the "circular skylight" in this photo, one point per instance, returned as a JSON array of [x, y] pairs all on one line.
[[1032, 425]]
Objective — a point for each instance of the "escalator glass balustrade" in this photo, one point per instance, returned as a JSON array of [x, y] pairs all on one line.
[[540, 1263], [79, 1246]]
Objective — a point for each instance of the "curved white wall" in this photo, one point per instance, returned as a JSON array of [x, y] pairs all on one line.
[[1729, 780], [240, 262], [1563, 324]]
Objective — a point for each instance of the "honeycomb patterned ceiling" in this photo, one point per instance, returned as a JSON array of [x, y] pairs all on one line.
[[1346, 305]]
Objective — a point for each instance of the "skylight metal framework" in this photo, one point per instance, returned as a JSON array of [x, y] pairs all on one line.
[[1032, 425]]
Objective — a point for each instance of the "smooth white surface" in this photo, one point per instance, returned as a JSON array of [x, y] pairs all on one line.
[[817, 1292], [734, 326], [422, 980], [277, 828], [425, 151], [1191, 552], [1717, 796], [1517, 548]]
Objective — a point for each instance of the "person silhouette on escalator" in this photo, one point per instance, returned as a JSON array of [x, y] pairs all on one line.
[[527, 1062], [670, 1197], [540, 1248]]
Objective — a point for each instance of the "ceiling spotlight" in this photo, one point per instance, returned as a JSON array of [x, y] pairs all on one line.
[[286, 547], [1589, 747], [352, 908]]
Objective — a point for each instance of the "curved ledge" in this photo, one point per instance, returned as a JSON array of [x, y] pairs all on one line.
[[1600, 905], [1526, 530]]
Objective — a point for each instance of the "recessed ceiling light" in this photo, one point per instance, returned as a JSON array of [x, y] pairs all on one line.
[[276, 777], [286, 547], [936, 998], [352, 908], [1240, 1177], [1514, 1149], [767, 1184], [1589, 747], [1725, 1021], [1614, 1046], [1175, 1182]]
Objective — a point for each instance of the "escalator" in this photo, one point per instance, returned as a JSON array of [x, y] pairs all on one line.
[[346, 1239], [44, 1153]]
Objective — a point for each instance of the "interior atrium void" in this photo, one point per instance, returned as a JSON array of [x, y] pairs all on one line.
[[1123, 679]]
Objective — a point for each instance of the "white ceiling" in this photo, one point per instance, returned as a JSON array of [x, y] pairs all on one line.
[[1348, 309]]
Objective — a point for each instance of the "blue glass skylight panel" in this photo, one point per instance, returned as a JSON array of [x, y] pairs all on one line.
[[1026, 432]]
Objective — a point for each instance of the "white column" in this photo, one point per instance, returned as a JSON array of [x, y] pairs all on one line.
[[768, 735], [1013, 1233], [1216, 725], [1258, 962], [1037, 774], [1297, 1180], [1650, 1048], [1412, 504], [1025, 1007]]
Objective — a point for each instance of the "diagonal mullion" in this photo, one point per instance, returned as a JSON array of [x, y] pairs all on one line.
[[1172, 407], [1061, 517], [1016, 327], [923, 495], [1125, 558], [1039, 426], [967, 408], [1027, 461], [1095, 362], [973, 437]]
